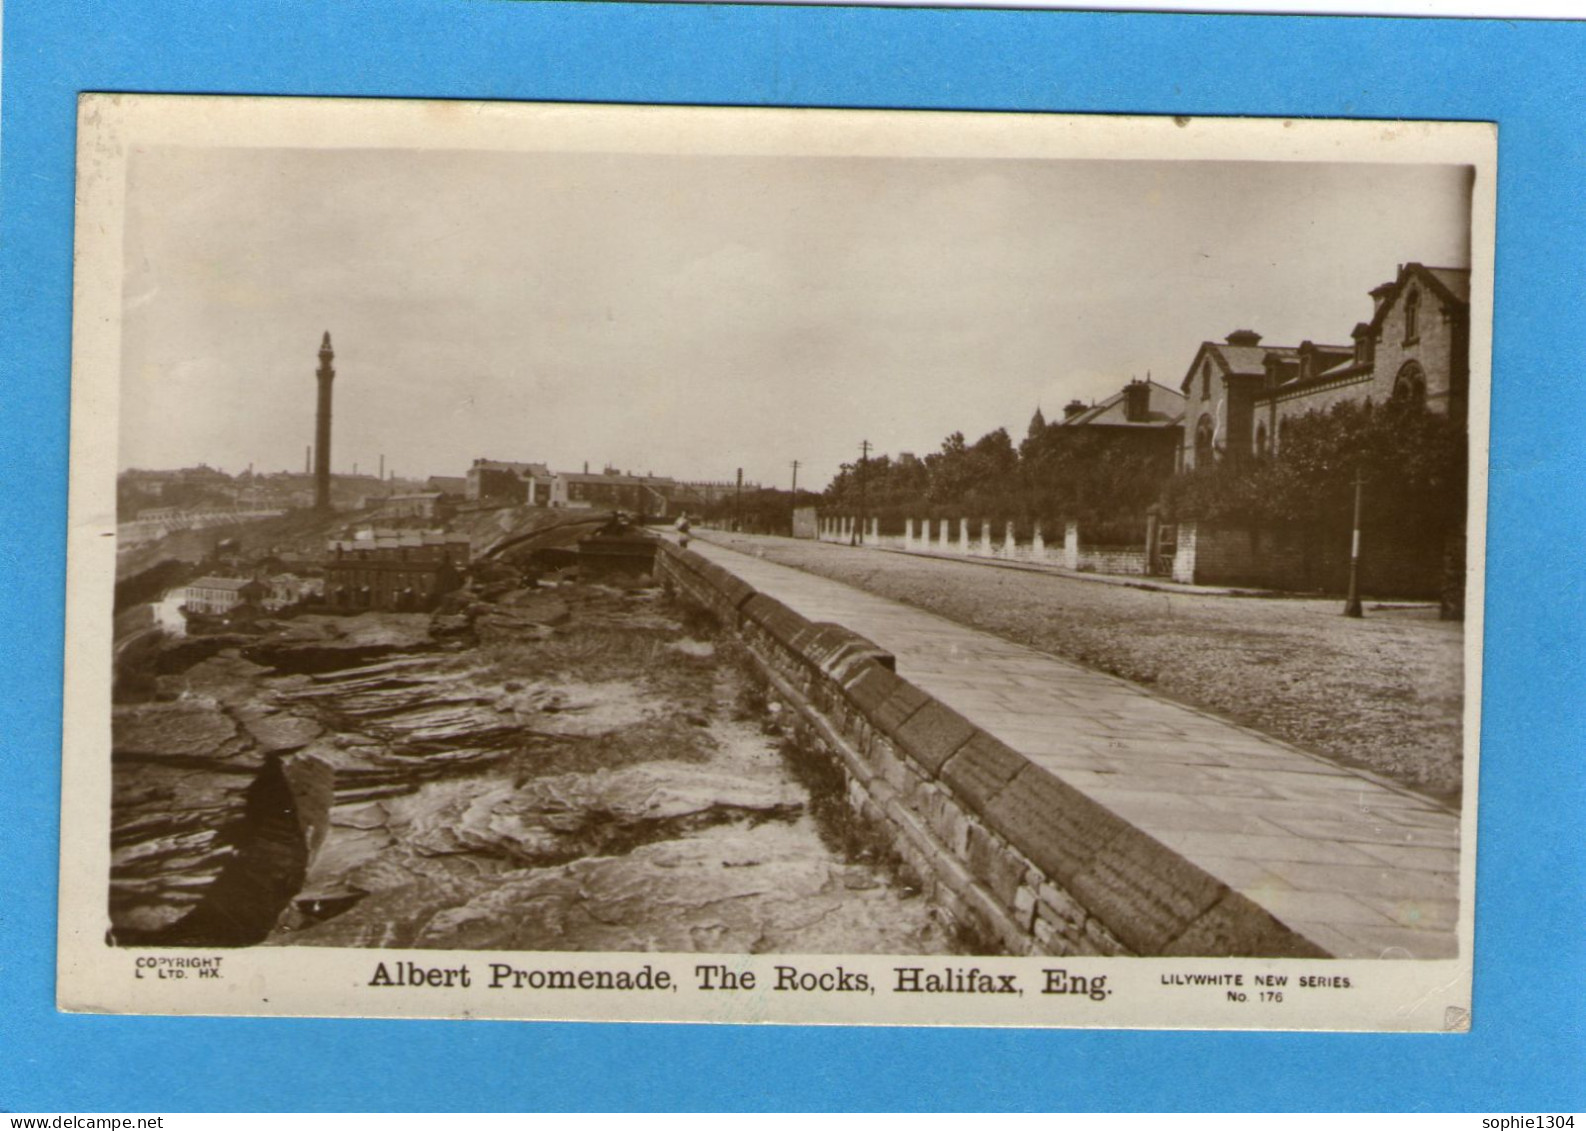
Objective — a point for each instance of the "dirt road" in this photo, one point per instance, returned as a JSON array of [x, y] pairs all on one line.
[[1384, 692]]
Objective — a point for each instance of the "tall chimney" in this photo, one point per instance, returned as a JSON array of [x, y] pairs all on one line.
[[382, 465], [308, 459], [325, 376]]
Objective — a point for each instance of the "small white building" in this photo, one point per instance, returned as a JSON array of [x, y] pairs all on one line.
[[217, 596]]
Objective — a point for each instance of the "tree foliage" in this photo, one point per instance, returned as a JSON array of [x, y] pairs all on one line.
[[1411, 462], [756, 510], [1057, 474]]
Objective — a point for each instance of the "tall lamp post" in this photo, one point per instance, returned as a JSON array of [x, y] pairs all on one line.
[[1352, 605]]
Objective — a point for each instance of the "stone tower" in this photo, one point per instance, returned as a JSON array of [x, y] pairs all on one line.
[[325, 375]]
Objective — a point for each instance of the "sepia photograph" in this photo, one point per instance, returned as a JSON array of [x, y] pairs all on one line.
[[705, 564]]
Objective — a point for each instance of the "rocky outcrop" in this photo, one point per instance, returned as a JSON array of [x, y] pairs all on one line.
[[218, 802], [664, 856], [565, 768], [211, 830], [326, 644], [745, 892]]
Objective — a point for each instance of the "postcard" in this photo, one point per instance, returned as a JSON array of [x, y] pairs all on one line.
[[641, 563]]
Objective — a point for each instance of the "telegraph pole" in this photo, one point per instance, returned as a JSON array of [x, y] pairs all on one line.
[[737, 504], [864, 465], [792, 519], [1352, 605]]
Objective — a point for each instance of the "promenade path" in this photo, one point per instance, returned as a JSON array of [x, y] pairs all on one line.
[[1360, 866]]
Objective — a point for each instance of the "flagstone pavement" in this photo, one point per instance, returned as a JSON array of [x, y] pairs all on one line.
[[1359, 865]]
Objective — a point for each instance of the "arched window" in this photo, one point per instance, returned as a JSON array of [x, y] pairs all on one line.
[[1409, 387], [1412, 316], [1203, 440], [1261, 439]]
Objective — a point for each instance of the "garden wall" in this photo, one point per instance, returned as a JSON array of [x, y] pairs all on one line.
[[1393, 563]]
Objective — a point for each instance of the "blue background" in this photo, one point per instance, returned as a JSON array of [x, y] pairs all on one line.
[[1527, 1050]]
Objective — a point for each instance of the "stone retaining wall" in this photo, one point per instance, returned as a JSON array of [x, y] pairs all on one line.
[[1021, 861]]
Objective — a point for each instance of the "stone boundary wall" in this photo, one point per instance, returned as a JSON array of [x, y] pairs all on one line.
[[983, 539], [1020, 860], [1392, 564], [1127, 560], [806, 522]]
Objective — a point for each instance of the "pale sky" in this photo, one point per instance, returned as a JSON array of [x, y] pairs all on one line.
[[695, 314]]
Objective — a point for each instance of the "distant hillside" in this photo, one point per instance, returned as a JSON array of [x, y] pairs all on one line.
[[304, 531]]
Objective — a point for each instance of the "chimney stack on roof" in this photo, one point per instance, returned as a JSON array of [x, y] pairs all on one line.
[[1136, 401], [1244, 338], [1307, 360], [1379, 295], [1365, 343], [1073, 408]]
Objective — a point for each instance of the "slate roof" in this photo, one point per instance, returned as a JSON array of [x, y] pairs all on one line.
[[617, 480], [398, 539], [1166, 409], [1249, 359], [1239, 360], [1455, 280], [1336, 371], [538, 470], [230, 583]]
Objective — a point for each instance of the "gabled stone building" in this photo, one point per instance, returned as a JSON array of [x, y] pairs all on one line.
[[636, 494], [1239, 393], [403, 571], [506, 481]]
